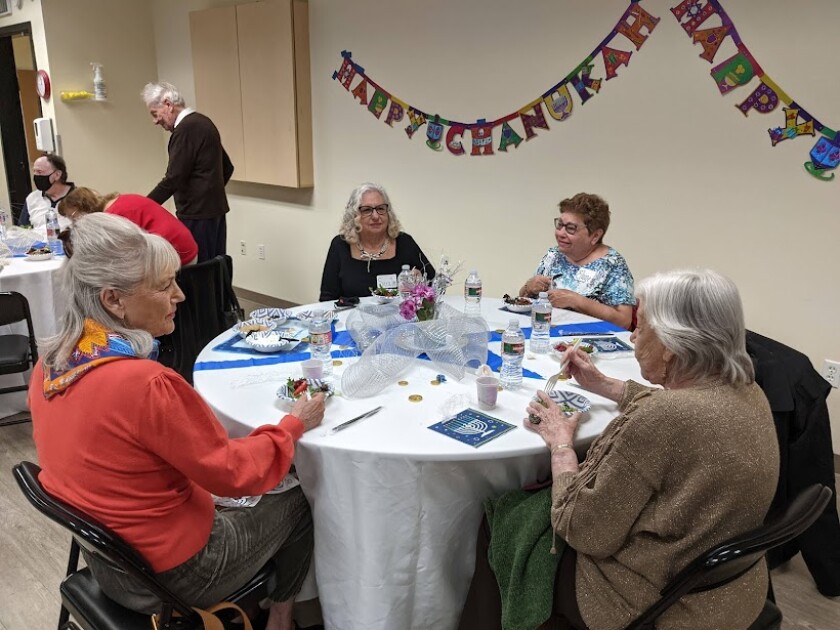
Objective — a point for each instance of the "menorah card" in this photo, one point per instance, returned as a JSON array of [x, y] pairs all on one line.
[[472, 427]]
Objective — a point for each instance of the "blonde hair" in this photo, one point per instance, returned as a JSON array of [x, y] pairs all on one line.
[[84, 201], [350, 223], [109, 252]]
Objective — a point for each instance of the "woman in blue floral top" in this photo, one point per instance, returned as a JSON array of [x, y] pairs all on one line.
[[582, 273]]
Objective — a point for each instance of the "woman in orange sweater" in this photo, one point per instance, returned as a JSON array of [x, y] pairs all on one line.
[[132, 444]]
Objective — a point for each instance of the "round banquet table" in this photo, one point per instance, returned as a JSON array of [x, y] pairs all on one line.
[[39, 284], [397, 506]]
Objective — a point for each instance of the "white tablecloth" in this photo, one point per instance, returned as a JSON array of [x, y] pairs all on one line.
[[397, 506], [38, 282]]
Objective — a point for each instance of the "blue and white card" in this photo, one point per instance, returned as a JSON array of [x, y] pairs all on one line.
[[607, 345], [472, 427]]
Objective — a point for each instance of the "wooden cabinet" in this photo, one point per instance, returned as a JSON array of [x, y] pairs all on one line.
[[251, 69]]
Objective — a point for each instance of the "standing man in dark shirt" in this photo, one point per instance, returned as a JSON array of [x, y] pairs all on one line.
[[198, 168]]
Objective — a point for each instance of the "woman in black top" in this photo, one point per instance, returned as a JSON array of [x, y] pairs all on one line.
[[370, 249]]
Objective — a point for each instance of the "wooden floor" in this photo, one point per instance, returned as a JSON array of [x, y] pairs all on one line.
[[33, 556]]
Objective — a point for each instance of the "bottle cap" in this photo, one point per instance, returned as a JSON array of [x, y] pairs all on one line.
[[543, 294], [514, 322], [406, 267]]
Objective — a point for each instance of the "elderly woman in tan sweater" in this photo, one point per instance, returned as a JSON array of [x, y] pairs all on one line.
[[683, 467]]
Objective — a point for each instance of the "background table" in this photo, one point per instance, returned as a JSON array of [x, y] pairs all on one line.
[[38, 282], [397, 506]]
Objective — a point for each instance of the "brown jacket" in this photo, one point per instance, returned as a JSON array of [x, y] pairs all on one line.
[[676, 473], [198, 170]]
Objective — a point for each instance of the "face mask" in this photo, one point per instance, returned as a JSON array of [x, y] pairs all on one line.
[[42, 182]]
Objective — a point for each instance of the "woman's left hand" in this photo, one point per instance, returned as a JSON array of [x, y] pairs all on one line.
[[563, 298], [555, 427]]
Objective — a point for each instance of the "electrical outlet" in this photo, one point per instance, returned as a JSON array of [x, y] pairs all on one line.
[[261, 252], [831, 372], [242, 249]]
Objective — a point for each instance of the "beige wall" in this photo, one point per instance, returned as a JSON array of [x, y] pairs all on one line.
[[110, 145], [691, 181]]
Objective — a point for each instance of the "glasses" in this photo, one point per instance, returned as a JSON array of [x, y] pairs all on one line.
[[367, 211], [570, 228]]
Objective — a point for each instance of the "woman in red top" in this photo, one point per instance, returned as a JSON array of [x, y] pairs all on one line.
[[142, 211], [129, 442]]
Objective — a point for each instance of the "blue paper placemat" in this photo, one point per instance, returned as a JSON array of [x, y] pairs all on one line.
[[472, 427]]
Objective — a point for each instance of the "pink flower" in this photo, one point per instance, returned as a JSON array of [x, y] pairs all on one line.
[[408, 309], [424, 291]]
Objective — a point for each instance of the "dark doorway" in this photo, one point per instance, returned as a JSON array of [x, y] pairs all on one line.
[[12, 127]]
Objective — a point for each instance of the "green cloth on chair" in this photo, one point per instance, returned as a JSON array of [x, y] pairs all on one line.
[[520, 555]]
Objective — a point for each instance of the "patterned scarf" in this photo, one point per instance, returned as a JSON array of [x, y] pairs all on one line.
[[97, 346]]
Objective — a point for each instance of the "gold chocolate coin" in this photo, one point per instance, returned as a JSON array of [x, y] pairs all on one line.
[[500, 388], [501, 331], [435, 382], [403, 383], [415, 398], [338, 362]]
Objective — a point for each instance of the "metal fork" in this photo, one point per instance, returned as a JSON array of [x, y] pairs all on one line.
[[552, 381]]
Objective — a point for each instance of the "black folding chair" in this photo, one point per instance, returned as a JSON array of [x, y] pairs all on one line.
[[18, 353], [80, 593], [732, 559]]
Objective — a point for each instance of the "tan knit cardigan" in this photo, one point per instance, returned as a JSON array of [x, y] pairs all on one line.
[[676, 473]]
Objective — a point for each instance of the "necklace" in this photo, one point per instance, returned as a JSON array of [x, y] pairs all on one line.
[[366, 255]]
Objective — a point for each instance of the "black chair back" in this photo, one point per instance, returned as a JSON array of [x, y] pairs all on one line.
[[734, 557], [209, 308], [95, 538], [14, 358]]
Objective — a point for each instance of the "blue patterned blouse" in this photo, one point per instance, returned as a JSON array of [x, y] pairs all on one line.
[[607, 279]]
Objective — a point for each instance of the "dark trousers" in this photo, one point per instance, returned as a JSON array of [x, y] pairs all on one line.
[[210, 235], [483, 608]]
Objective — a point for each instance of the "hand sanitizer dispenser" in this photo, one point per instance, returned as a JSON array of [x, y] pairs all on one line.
[[44, 134], [99, 91]]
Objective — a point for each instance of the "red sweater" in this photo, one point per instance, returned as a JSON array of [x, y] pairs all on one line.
[[155, 219], [133, 445]]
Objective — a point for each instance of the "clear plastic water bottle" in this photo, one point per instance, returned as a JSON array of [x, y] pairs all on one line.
[[541, 324], [320, 340], [52, 231], [4, 221], [472, 295], [513, 349], [405, 281]]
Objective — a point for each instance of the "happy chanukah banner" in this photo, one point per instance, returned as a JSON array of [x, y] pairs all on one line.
[[557, 100], [741, 68], [635, 26]]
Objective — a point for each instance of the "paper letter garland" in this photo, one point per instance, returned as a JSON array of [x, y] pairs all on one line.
[[740, 69], [636, 25], [477, 138]]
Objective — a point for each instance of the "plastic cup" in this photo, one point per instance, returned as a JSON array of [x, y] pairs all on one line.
[[312, 368], [487, 388]]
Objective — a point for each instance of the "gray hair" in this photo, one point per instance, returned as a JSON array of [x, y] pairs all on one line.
[[697, 315], [155, 93], [109, 252], [350, 223]]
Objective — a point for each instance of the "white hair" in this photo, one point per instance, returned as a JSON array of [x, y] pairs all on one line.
[[350, 224], [109, 252], [697, 315], [155, 93]]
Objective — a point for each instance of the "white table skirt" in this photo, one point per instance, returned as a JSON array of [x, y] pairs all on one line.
[[397, 506], [38, 282]]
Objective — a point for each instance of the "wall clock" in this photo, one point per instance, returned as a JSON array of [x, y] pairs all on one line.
[[42, 84]]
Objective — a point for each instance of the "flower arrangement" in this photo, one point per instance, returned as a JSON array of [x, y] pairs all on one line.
[[420, 303]]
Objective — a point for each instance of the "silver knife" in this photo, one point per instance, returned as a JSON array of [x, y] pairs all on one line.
[[344, 425]]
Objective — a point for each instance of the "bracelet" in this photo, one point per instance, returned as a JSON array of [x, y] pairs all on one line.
[[557, 447]]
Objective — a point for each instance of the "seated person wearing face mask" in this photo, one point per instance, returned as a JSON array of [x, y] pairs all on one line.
[[51, 186]]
